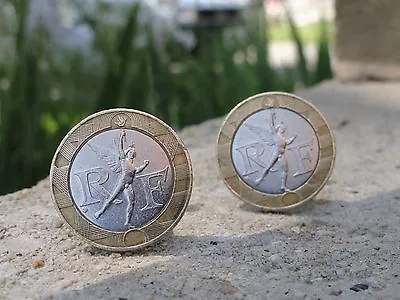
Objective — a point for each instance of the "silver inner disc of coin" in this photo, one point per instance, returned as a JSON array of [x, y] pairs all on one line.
[[275, 150], [121, 179]]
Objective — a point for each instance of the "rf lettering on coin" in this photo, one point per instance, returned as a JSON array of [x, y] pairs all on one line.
[[275, 151], [121, 179]]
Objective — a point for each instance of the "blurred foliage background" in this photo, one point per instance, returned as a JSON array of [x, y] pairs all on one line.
[[45, 89]]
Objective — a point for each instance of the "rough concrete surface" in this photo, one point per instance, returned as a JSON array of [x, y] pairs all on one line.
[[225, 249]]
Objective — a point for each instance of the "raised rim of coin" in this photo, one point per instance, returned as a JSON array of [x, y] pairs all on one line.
[[289, 199], [173, 209]]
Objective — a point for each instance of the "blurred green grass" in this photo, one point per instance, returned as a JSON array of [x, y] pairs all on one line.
[[309, 34], [45, 89]]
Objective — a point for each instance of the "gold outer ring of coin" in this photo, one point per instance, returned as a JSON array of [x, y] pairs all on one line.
[[170, 214], [287, 200]]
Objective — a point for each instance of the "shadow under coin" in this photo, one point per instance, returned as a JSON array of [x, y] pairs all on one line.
[[307, 206]]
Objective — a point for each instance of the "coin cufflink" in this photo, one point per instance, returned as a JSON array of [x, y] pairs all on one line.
[[275, 151], [121, 179]]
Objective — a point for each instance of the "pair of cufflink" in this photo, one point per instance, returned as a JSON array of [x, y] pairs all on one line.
[[122, 179]]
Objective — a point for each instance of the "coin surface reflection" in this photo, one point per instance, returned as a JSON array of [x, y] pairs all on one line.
[[111, 195], [275, 150]]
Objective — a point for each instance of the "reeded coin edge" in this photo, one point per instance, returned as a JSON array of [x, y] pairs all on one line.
[[172, 212], [322, 172]]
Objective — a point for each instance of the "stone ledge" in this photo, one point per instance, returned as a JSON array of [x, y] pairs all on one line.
[[224, 248], [346, 70]]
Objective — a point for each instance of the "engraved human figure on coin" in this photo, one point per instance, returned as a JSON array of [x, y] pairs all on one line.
[[275, 150], [275, 137], [125, 167], [121, 179]]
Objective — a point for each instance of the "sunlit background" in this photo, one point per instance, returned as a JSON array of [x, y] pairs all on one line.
[[183, 61]]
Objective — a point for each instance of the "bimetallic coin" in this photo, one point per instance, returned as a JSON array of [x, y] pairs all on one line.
[[275, 151], [121, 179]]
